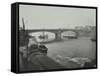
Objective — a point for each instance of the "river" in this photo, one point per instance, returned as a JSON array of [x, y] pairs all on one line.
[[81, 47]]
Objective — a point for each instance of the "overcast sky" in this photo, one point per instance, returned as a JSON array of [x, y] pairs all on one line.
[[47, 17]]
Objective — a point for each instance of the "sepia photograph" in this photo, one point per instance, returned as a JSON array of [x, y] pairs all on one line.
[[56, 38]]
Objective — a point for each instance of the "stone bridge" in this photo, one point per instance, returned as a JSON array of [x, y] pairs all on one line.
[[57, 32]]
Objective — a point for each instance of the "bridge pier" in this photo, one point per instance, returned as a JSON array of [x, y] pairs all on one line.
[[58, 35], [77, 34]]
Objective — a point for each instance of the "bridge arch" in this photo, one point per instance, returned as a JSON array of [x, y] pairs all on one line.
[[58, 33], [49, 36], [69, 34]]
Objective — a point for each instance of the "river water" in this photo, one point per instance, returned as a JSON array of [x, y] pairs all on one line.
[[81, 47], [69, 50]]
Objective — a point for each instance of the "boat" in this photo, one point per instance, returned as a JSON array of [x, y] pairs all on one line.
[[93, 38], [43, 37], [93, 35]]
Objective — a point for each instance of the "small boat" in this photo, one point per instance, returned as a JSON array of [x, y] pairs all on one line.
[[93, 38], [43, 36]]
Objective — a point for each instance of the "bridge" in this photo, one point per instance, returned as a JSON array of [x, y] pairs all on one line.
[[57, 32]]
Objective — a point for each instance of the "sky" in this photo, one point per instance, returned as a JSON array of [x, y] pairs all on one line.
[[47, 17]]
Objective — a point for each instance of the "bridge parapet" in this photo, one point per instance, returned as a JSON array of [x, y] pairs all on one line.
[[52, 30]]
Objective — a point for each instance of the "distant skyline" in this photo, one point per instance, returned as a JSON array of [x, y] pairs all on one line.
[[46, 17]]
